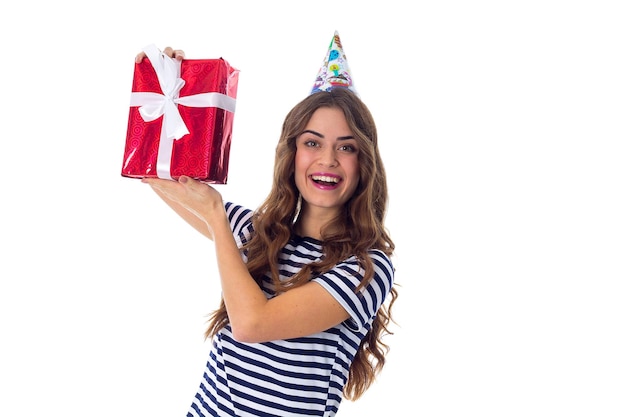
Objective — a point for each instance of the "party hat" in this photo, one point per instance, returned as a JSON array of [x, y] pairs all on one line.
[[334, 71]]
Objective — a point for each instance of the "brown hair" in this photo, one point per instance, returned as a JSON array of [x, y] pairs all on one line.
[[357, 229]]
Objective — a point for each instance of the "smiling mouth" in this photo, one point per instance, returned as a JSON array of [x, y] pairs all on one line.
[[325, 180]]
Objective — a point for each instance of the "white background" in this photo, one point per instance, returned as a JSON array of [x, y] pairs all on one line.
[[502, 125]]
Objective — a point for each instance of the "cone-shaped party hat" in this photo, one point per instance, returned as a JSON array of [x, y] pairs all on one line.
[[334, 72]]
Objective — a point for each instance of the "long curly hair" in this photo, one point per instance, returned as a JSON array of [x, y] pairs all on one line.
[[358, 228]]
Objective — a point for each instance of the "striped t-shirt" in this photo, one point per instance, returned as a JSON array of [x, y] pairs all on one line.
[[303, 376]]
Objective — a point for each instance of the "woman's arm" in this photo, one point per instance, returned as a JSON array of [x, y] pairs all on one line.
[[298, 312], [195, 221]]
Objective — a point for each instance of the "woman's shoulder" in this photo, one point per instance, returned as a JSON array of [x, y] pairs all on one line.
[[378, 256], [239, 217], [234, 210], [380, 261], [383, 265]]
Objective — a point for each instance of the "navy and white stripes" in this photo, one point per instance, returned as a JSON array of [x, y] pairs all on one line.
[[296, 377]]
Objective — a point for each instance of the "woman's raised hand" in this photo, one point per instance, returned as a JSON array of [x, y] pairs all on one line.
[[178, 54]]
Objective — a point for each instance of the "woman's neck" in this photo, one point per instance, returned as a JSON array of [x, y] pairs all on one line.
[[311, 222]]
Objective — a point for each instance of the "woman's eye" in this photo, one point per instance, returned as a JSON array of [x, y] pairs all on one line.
[[310, 143], [347, 148]]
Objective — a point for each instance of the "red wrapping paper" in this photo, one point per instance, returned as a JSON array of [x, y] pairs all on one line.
[[202, 154]]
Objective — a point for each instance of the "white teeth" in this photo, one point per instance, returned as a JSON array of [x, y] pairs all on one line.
[[325, 179]]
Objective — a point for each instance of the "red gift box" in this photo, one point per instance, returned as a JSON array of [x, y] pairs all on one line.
[[181, 118]]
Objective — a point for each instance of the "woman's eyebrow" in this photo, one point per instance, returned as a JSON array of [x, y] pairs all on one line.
[[313, 132]]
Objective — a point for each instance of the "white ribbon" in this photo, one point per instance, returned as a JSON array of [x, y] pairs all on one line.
[[153, 105]]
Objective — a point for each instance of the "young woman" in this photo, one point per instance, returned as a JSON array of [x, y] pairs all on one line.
[[305, 277]]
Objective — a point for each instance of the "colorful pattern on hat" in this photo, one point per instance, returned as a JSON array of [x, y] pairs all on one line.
[[334, 71]]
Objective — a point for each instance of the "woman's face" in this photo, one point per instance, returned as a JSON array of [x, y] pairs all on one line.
[[326, 162]]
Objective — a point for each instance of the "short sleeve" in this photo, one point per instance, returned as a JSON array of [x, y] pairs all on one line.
[[342, 280], [240, 220]]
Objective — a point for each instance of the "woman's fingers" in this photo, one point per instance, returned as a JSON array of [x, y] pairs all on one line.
[[178, 54], [140, 56], [165, 187], [185, 190]]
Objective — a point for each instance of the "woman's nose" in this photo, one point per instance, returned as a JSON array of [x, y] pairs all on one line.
[[328, 158]]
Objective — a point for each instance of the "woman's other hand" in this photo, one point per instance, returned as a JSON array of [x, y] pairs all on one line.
[[178, 54]]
